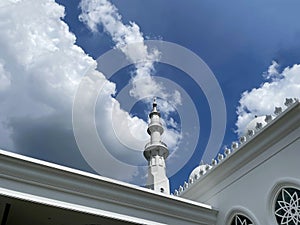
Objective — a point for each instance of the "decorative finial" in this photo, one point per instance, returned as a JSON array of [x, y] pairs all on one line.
[[243, 139], [289, 101], [201, 172], [154, 101], [154, 109], [268, 118], [277, 111], [220, 157], [234, 145], [176, 193], [186, 185], [196, 177], [250, 133], [214, 162], [207, 167], [258, 126], [154, 105], [227, 151], [180, 189]]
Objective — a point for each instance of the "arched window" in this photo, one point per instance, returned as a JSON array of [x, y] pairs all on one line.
[[239, 219], [287, 206]]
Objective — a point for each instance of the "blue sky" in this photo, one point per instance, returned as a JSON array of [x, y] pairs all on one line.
[[246, 44]]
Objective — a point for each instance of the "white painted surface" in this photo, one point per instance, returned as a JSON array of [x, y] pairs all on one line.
[[247, 180]]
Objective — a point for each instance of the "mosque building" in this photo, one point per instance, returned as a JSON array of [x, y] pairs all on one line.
[[254, 182]]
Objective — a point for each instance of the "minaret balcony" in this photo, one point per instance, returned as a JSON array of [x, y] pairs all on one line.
[[153, 149], [153, 127]]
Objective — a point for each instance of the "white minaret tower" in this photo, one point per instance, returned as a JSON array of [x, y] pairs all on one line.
[[156, 153]]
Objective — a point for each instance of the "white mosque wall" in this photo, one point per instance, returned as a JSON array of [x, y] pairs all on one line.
[[253, 193], [247, 181]]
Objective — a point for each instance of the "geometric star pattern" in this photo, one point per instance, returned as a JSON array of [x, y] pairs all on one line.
[[240, 220], [287, 207]]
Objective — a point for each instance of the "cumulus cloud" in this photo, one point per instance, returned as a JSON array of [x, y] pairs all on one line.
[[129, 39], [272, 93], [38, 52], [4, 78], [41, 68]]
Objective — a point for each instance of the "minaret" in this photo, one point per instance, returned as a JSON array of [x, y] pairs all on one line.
[[156, 153]]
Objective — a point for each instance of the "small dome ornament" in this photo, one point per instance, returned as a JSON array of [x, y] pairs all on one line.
[[214, 162], [288, 102], [234, 145], [268, 118], [220, 157], [250, 133], [207, 167], [227, 151], [258, 126], [199, 171], [196, 176], [277, 111], [186, 185], [180, 189], [255, 125], [243, 139], [176, 193]]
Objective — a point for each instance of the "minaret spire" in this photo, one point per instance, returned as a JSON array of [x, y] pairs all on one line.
[[156, 153]]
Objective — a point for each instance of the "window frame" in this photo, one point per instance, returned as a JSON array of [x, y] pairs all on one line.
[[239, 210], [273, 193], [278, 197]]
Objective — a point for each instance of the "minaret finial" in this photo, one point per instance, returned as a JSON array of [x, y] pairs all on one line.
[[154, 109]]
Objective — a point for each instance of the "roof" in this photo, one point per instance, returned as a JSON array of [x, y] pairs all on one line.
[[48, 184], [245, 150]]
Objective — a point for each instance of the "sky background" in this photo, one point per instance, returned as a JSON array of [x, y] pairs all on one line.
[[47, 47]]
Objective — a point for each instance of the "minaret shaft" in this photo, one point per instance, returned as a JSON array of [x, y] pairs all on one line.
[[155, 137], [156, 153]]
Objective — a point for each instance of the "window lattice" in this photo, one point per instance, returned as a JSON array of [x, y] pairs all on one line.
[[287, 207], [241, 220]]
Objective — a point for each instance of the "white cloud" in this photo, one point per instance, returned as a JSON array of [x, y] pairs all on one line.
[[38, 52], [129, 39], [104, 13], [272, 71], [4, 78], [271, 94], [40, 69]]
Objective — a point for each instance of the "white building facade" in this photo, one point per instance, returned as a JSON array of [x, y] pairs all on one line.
[[256, 181]]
